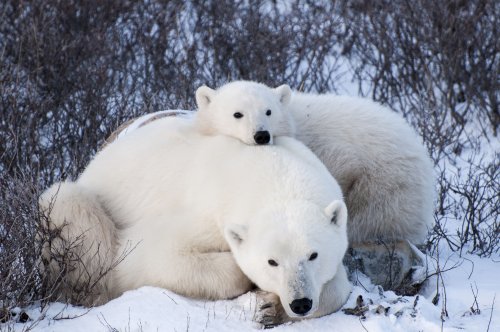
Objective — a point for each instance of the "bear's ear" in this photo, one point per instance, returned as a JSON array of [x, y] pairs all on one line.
[[235, 234], [284, 93], [204, 96], [337, 212]]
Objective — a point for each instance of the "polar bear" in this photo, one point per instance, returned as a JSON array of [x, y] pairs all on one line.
[[383, 169], [208, 216], [230, 112]]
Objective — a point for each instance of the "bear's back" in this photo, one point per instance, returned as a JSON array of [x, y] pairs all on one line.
[[350, 120], [168, 165]]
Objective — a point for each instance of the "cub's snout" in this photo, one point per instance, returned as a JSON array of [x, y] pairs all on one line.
[[262, 137]]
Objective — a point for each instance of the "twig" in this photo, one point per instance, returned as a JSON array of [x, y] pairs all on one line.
[[362, 325], [491, 313], [476, 310], [170, 297], [70, 317]]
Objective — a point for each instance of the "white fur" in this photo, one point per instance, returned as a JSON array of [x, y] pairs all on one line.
[[207, 213], [216, 109], [90, 235], [378, 160]]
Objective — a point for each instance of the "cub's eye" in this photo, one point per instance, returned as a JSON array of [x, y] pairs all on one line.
[[313, 256], [268, 112], [272, 262], [238, 115]]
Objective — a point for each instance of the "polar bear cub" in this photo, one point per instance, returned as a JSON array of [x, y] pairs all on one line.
[[383, 169], [210, 215], [233, 110]]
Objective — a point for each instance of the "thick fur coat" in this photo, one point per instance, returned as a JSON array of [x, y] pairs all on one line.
[[207, 216], [384, 170]]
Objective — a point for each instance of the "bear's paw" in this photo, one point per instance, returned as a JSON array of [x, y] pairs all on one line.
[[270, 312]]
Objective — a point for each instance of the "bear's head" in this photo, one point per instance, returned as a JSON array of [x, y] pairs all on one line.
[[245, 110], [292, 251]]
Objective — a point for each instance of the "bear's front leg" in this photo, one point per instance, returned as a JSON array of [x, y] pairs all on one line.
[[333, 296], [213, 276], [270, 312]]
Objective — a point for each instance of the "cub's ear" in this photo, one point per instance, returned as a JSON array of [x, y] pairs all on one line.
[[235, 234], [204, 96], [337, 212], [284, 93]]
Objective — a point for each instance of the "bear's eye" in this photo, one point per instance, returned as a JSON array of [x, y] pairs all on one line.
[[313, 256], [272, 262], [238, 115], [268, 112]]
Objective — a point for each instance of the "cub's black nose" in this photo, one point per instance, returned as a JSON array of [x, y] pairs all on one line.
[[301, 306], [262, 137]]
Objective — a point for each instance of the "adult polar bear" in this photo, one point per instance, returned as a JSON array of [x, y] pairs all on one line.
[[378, 160], [203, 209]]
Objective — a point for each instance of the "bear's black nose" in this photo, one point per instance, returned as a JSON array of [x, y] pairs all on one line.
[[262, 137], [301, 306]]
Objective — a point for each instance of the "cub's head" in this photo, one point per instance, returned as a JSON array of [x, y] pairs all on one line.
[[292, 251], [248, 111]]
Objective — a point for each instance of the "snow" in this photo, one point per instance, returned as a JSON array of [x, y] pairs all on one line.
[[459, 292], [155, 309]]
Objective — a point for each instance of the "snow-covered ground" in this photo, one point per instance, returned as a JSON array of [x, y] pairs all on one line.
[[155, 309]]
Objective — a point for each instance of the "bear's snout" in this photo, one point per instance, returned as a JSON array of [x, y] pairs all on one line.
[[301, 306], [262, 137]]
